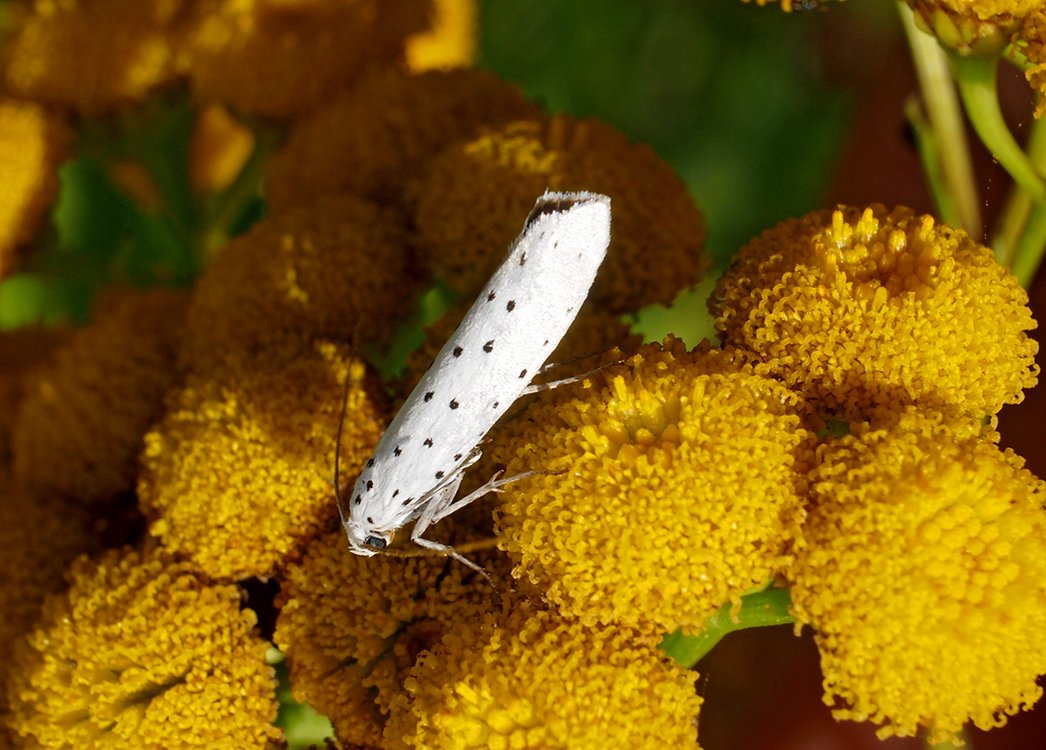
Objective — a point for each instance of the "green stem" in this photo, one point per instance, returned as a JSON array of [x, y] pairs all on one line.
[[758, 610], [977, 87], [947, 130], [926, 144], [1019, 239]]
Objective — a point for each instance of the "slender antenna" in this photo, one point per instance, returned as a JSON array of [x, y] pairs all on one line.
[[337, 448]]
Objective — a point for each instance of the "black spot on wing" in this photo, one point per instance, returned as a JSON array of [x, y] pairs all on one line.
[[428, 442], [429, 395], [511, 305], [370, 485], [397, 451], [491, 296], [522, 373], [547, 206], [439, 475], [457, 456], [457, 351], [489, 346], [357, 500], [453, 404], [395, 492], [523, 259], [370, 463]]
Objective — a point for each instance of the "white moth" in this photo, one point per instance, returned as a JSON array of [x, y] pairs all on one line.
[[488, 363]]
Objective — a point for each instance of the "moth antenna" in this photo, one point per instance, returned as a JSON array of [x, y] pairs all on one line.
[[337, 451]]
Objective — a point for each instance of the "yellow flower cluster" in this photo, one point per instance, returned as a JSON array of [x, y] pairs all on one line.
[[450, 42], [859, 308], [924, 576], [338, 268], [669, 485], [79, 425], [352, 627], [374, 138], [474, 192], [1033, 36], [142, 652], [236, 473], [973, 26], [534, 679], [32, 144], [23, 351]]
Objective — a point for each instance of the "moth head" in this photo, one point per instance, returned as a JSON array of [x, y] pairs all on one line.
[[365, 541]]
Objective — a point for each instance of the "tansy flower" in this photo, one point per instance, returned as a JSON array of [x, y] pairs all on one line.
[[593, 332], [23, 351], [858, 308], [91, 56], [1033, 36], [236, 475], [533, 679], [665, 488], [337, 268], [279, 58], [79, 427], [219, 149], [373, 139], [142, 652], [39, 536], [924, 577], [352, 626], [973, 26], [476, 194], [32, 144], [450, 42]]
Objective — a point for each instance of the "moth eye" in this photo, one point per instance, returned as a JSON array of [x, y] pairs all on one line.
[[375, 542]]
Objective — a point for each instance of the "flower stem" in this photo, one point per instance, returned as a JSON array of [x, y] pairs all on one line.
[[760, 609], [949, 146], [1020, 238]]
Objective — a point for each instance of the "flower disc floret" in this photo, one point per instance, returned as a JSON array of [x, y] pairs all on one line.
[[236, 473], [664, 489], [863, 308], [373, 139], [476, 193], [534, 679], [924, 576], [141, 652], [79, 427], [973, 26], [352, 626]]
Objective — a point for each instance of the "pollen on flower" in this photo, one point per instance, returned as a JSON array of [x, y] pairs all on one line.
[[338, 268], [79, 426], [1033, 45], [23, 353], [276, 58], [143, 651], [89, 56], [374, 138], [667, 487], [973, 26], [925, 556], [861, 308], [352, 626], [535, 679], [33, 142], [236, 474], [475, 193]]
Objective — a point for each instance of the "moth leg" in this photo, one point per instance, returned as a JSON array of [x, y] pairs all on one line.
[[538, 387], [446, 549], [494, 484]]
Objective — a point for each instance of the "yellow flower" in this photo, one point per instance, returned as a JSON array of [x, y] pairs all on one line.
[[860, 308], [924, 576], [339, 268], [1033, 36], [533, 679], [236, 474], [352, 626], [476, 194], [279, 58], [374, 138], [23, 351], [142, 652], [39, 536], [79, 426], [667, 487], [220, 147], [973, 26], [91, 56], [450, 42], [33, 142]]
